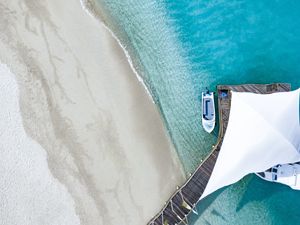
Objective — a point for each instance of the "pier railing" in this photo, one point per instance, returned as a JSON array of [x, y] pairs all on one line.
[[184, 200]]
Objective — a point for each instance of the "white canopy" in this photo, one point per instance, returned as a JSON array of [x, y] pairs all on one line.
[[263, 131]]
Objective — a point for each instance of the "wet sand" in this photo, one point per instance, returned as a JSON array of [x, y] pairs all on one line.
[[81, 102]]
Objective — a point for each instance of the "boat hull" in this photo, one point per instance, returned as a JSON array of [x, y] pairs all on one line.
[[208, 111], [287, 174]]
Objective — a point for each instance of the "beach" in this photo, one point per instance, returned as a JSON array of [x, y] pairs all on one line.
[[102, 138], [181, 47]]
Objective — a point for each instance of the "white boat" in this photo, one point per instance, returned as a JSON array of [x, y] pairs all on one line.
[[288, 174], [208, 111]]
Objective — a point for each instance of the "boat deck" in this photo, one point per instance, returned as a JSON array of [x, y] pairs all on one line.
[[184, 200], [208, 108]]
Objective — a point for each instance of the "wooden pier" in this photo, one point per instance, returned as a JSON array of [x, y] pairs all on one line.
[[184, 200]]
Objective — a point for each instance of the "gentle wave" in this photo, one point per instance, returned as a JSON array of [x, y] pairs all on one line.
[[90, 11]]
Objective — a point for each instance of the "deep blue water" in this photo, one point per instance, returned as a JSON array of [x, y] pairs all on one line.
[[240, 41], [181, 46]]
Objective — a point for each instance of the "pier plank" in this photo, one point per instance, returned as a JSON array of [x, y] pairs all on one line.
[[191, 191]]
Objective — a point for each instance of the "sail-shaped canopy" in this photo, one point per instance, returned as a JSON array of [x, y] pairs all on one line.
[[263, 131]]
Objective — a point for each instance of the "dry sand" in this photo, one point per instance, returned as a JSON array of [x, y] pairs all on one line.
[[29, 193], [80, 101]]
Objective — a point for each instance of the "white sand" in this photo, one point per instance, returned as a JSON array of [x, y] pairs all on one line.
[[101, 134], [29, 193]]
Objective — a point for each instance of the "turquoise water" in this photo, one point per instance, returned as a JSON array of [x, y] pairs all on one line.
[[181, 46]]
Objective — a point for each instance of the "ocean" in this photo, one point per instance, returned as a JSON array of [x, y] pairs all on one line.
[[179, 47]]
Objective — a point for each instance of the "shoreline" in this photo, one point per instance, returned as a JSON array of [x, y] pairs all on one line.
[[148, 40], [96, 16], [103, 136]]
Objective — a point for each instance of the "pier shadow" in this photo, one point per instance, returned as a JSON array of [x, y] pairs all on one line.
[[207, 223], [204, 204], [216, 213]]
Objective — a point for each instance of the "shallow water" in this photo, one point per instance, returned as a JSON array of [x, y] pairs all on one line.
[[180, 47]]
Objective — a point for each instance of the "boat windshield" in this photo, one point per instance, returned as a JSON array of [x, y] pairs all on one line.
[[208, 111]]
